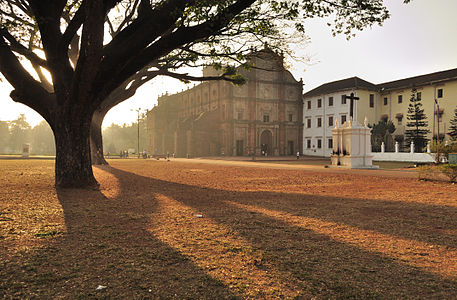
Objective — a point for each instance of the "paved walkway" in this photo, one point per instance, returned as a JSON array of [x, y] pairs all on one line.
[[309, 164]]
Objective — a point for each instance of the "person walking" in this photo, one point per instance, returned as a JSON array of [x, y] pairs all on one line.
[[298, 154]]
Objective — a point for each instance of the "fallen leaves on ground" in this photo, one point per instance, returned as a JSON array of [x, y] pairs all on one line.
[[263, 233]]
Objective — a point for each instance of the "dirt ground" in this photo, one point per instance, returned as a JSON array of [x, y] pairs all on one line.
[[159, 229]]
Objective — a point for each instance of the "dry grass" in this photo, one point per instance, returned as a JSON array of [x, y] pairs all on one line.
[[264, 234]]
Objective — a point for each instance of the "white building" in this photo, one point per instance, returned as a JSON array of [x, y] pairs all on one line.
[[325, 104], [385, 101]]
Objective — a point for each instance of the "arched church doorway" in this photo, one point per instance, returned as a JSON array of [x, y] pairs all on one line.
[[265, 142]]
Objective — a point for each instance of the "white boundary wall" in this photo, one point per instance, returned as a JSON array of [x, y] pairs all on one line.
[[403, 156], [392, 156]]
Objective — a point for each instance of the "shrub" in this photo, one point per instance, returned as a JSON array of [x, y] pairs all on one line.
[[442, 150], [450, 171], [432, 172]]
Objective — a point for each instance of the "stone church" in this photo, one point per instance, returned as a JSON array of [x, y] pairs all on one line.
[[214, 118]]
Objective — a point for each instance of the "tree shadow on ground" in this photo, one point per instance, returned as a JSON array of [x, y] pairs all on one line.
[[313, 262], [130, 242], [106, 244]]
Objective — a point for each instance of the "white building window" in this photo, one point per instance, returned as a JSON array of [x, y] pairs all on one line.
[[439, 93], [343, 99]]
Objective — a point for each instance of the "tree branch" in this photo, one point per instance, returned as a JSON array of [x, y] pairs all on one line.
[[73, 27], [147, 27], [91, 51], [168, 43], [20, 49], [186, 77], [27, 90]]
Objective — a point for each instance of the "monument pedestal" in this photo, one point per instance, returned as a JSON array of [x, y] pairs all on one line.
[[352, 146]]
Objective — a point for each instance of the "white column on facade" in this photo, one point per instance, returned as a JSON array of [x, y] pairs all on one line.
[[324, 136], [355, 105]]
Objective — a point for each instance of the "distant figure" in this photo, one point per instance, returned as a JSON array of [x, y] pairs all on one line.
[[145, 154], [298, 155], [121, 154]]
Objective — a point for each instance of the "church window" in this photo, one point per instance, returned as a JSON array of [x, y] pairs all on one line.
[[266, 118], [330, 101]]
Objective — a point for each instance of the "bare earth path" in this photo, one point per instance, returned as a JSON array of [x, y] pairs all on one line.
[[195, 229], [305, 165]]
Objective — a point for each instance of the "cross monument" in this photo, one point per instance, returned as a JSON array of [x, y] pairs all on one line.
[[352, 97]]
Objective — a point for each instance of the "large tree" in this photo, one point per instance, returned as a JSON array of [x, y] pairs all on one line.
[[86, 67], [4, 136], [20, 131]]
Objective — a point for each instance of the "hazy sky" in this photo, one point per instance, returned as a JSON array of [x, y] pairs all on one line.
[[419, 38]]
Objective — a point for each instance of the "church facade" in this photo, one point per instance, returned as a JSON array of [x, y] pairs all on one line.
[[214, 118]]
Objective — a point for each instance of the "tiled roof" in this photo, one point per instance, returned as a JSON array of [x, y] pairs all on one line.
[[340, 85], [356, 82], [419, 80]]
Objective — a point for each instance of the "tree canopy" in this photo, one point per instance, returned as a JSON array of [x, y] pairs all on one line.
[[416, 131], [67, 39], [382, 132]]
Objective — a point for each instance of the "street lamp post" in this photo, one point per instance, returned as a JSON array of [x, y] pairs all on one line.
[[138, 111]]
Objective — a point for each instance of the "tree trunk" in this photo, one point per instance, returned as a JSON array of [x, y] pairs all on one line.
[[96, 139], [73, 167]]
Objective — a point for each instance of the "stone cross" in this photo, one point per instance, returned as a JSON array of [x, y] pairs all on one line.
[[352, 97]]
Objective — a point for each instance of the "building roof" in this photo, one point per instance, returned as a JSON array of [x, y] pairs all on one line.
[[340, 85], [419, 80], [356, 82]]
